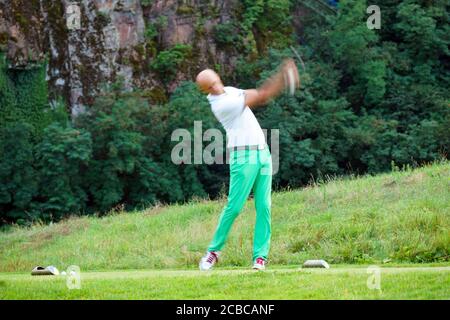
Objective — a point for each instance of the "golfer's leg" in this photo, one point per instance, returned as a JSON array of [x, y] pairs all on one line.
[[262, 191], [242, 178]]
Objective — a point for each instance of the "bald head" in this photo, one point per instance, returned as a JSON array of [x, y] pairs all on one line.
[[209, 81]]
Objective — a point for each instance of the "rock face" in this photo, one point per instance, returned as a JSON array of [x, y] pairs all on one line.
[[91, 42], [21, 35], [99, 32]]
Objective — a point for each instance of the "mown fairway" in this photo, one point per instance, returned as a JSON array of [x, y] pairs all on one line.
[[279, 283], [387, 220]]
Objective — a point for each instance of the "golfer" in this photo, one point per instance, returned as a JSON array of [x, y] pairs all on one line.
[[250, 159]]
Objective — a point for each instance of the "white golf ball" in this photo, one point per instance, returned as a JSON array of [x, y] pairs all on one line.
[[63, 273]]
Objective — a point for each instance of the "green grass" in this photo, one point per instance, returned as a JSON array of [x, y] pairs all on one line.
[[278, 283], [396, 219]]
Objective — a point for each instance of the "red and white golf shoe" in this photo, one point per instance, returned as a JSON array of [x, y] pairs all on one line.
[[259, 264], [209, 260]]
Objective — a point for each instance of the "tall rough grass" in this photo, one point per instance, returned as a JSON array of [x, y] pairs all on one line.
[[403, 216]]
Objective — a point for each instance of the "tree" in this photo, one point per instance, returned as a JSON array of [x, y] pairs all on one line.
[[62, 157]]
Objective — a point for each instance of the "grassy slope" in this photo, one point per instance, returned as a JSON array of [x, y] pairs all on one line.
[[402, 216]]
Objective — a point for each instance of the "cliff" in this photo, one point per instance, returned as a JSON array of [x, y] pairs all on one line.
[[90, 42]]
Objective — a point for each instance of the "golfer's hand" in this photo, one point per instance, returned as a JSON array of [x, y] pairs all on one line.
[[273, 86]]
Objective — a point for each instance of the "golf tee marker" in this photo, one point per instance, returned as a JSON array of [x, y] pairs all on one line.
[[316, 264]]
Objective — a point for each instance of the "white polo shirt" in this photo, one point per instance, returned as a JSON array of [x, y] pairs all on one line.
[[237, 119]]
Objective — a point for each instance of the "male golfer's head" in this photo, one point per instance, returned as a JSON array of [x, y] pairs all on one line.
[[209, 81]]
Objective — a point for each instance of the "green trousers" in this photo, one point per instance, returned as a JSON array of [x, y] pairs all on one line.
[[249, 169]]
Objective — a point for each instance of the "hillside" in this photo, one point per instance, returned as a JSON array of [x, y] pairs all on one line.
[[401, 217]]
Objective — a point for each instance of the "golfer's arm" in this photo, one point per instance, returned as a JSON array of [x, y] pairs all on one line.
[[271, 88]]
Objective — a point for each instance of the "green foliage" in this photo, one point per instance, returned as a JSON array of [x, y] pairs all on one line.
[[41, 181], [24, 97], [366, 100], [150, 32], [156, 27], [59, 112], [259, 25], [269, 21], [18, 178], [420, 29], [226, 35], [252, 11], [168, 62], [146, 3], [61, 157], [353, 46], [130, 175], [24, 114], [32, 97], [7, 94], [116, 148]]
